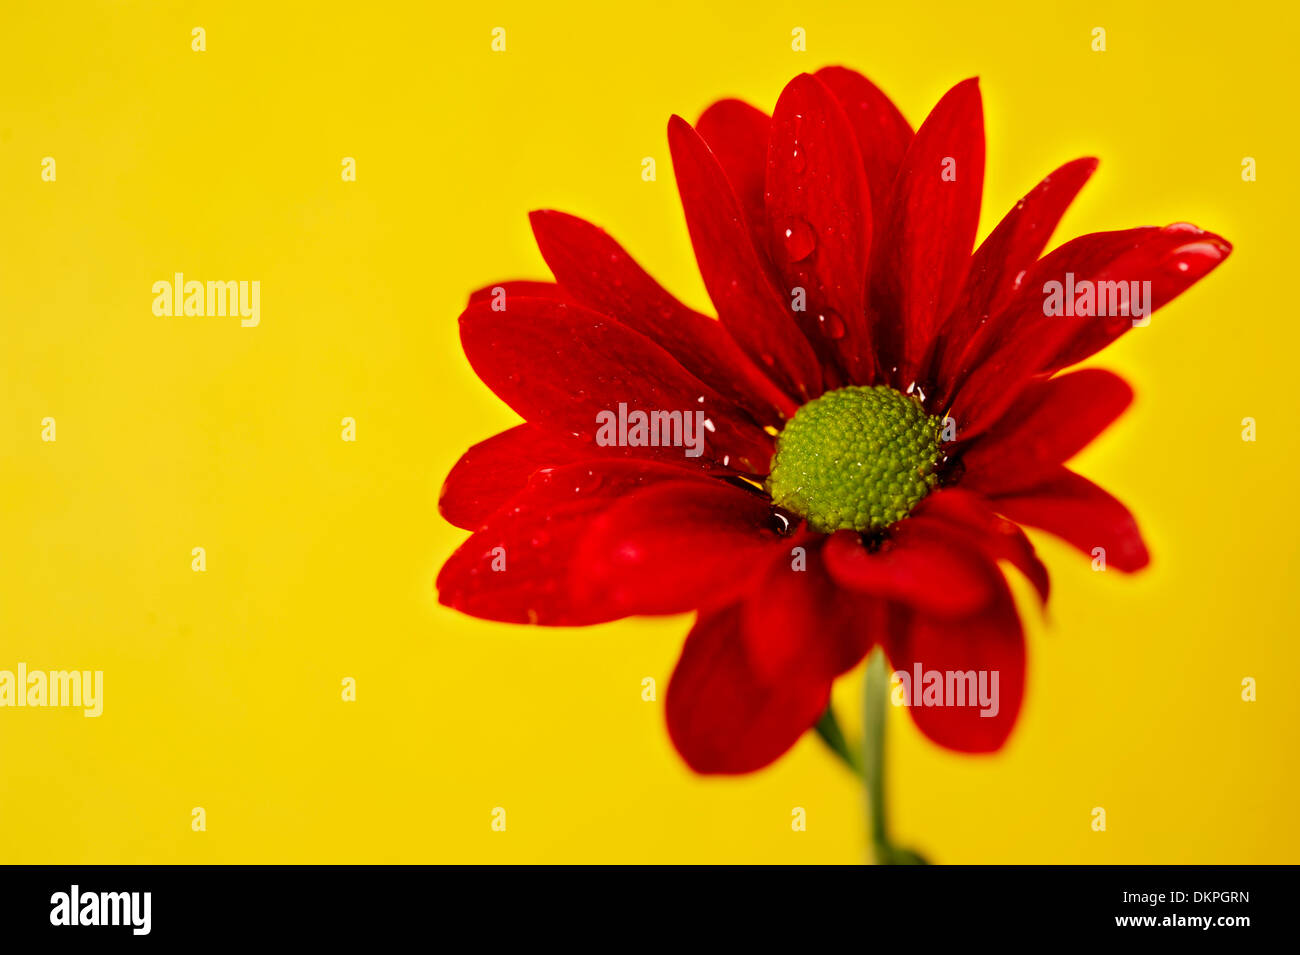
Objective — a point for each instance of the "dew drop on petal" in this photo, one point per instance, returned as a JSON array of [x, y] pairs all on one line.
[[830, 324], [800, 240], [798, 161]]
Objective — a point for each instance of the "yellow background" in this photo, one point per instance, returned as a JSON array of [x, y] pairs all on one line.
[[222, 689]]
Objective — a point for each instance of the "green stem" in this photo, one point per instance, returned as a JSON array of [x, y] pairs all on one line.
[[868, 763], [875, 687], [875, 693], [828, 728]]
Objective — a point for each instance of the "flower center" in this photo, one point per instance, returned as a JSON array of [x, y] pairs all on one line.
[[856, 458]]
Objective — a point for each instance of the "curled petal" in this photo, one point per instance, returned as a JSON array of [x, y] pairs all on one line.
[[972, 518], [798, 609], [1081, 514], [923, 564], [988, 647], [726, 717], [1051, 422], [676, 547]]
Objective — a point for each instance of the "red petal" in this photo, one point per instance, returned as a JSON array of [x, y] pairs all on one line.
[[1172, 260], [737, 135], [561, 365], [971, 517], [751, 307], [990, 642], [518, 566], [723, 716], [521, 288], [1022, 342], [918, 269], [819, 220], [495, 470], [1005, 257], [597, 272], [797, 609], [1051, 422], [677, 546], [922, 565], [1080, 513], [882, 133]]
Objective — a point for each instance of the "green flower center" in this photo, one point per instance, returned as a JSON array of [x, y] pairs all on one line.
[[856, 458]]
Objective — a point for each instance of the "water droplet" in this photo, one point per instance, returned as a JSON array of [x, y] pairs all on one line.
[[586, 482], [830, 324], [1184, 228], [800, 240], [1020, 278], [783, 522], [798, 161]]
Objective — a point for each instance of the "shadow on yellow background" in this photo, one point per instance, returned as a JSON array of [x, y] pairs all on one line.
[[223, 688]]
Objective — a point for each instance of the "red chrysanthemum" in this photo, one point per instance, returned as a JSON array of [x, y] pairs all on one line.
[[836, 245]]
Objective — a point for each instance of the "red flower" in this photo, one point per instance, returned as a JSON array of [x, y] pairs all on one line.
[[836, 246]]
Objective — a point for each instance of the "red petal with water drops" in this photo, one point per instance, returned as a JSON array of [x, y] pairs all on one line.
[[921, 564], [920, 264], [988, 643], [598, 273], [882, 133], [749, 303], [1024, 341], [1080, 513], [819, 221], [726, 717], [1002, 262], [517, 567], [1172, 260], [971, 518], [495, 470], [677, 547], [1052, 421], [561, 365], [737, 135]]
